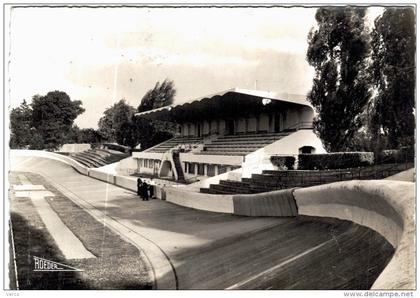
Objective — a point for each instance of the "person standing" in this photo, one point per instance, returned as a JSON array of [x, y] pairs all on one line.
[[151, 190], [139, 187], [145, 191]]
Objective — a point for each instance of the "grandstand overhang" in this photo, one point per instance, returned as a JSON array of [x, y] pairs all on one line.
[[227, 104]]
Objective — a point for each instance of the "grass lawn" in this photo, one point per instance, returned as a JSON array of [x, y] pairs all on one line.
[[118, 264]]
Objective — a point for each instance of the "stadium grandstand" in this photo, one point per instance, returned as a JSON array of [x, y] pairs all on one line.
[[227, 131]]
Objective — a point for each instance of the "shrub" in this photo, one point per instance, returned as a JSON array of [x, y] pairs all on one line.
[[404, 154], [336, 160], [388, 156], [283, 162], [407, 154]]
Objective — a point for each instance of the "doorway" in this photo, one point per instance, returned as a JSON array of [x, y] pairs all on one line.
[[230, 127], [198, 130], [277, 123]]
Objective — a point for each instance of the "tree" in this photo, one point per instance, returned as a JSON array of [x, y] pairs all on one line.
[[89, 136], [161, 95], [393, 76], [82, 136], [115, 122], [53, 116], [105, 129], [338, 51], [152, 132], [20, 126]]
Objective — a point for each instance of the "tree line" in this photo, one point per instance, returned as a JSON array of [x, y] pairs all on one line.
[[363, 89], [363, 92], [48, 122]]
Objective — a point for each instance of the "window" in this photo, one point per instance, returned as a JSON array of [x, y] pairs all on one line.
[[190, 168], [210, 170], [306, 150], [222, 169], [201, 169]]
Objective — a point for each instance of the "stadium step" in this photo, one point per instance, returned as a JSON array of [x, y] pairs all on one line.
[[97, 157]]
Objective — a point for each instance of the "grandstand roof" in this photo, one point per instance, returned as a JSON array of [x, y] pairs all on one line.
[[229, 102]]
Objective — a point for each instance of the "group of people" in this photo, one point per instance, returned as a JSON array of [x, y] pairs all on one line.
[[186, 147], [144, 190]]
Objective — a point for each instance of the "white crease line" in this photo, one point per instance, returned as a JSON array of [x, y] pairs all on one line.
[[238, 285]]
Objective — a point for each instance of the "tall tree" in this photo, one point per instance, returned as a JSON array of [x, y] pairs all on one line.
[[152, 132], [338, 51], [20, 126], [161, 95], [394, 76], [115, 122], [53, 116]]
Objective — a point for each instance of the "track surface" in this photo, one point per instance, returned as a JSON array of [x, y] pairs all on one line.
[[218, 251]]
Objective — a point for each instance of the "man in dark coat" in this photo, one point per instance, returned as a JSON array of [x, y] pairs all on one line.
[[144, 191], [139, 187]]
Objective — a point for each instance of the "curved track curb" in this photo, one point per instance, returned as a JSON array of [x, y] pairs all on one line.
[[385, 206]]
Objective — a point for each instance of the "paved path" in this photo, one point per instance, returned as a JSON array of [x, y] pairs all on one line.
[[69, 244], [191, 249]]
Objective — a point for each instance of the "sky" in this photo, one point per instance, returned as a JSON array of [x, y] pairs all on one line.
[[102, 55]]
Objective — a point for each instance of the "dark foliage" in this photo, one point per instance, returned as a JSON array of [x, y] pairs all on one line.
[[283, 162], [402, 155], [337, 50], [337, 160], [161, 95], [46, 123], [152, 132], [115, 125], [393, 75], [20, 126]]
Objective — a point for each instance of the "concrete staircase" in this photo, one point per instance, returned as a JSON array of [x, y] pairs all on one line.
[[98, 157], [174, 142], [270, 180]]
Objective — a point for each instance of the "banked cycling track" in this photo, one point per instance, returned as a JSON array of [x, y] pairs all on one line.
[[194, 249]]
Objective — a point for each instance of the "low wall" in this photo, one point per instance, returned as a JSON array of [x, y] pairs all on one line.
[[74, 148], [275, 203], [184, 197], [46, 154], [126, 166], [103, 176], [125, 182], [384, 206]]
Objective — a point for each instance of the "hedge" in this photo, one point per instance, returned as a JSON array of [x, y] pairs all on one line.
[[388, 156], [283, 162], [404, 154], [336, 160]]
